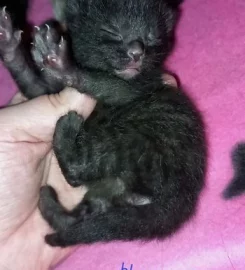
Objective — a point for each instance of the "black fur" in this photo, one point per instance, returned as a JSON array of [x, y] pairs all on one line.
[[142, 153], [237, 183], [18, 11], [59, 9]]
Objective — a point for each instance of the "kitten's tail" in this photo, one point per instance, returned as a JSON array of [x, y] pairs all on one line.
[[144, 222], [237, 183]]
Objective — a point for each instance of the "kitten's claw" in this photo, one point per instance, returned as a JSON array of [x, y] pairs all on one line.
[[5, 26], [49, 34], [5, 15], [37, 28], [62, 42]]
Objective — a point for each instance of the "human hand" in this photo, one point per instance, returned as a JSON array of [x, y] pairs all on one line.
[[26, 163]]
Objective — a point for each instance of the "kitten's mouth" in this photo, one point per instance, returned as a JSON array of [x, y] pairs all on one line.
[[130, 71]]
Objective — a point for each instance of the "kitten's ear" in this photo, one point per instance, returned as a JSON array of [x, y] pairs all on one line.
[[174, 3]]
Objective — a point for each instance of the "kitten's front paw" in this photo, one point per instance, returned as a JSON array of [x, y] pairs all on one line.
[[66, 131], [66, 135], [9, 39], [47, 197], [50, 49]]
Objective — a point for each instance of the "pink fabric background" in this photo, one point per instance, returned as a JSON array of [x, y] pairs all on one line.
[[210, 61]]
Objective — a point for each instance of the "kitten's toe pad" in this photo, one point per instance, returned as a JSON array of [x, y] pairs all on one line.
[[9, 39]]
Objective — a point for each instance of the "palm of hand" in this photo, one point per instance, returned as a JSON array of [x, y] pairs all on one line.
[[28, 166], [26, 163]]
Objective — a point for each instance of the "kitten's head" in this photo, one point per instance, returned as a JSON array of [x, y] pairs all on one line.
[[124, 37]]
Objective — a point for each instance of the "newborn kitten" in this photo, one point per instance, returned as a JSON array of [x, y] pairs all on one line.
[[142, 153], [237, 183]]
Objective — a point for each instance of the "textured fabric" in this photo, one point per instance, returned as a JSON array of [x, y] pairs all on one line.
[[210, 61]]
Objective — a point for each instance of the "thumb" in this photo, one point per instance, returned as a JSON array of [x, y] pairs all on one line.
[[35, 120]]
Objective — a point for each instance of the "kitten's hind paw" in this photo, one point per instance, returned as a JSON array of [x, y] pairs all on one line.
[[52, 211], [9, 39], [55, 240], [50, 49], [48, 202], [48, 192]]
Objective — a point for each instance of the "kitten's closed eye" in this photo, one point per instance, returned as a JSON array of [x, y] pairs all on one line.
[[111, 33], [153, 40]]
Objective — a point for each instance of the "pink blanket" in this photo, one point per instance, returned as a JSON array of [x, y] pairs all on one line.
[[210, 61]]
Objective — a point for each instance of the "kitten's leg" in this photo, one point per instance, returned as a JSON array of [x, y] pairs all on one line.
[[14, 59], [51, 55], [122, 223], [60, 219], [152, 220], [92, 206], [126, 222], [52, 211], [86, 154], [66, 134], [57, 216]]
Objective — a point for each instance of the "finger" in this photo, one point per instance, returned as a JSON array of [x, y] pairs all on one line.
[[169, 79], [34, 120], [18, 98]]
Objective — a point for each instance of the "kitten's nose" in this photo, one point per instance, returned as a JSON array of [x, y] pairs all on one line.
[[136, 50]]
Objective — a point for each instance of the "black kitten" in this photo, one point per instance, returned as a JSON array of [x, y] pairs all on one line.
[[237, 183], [142, 152]]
